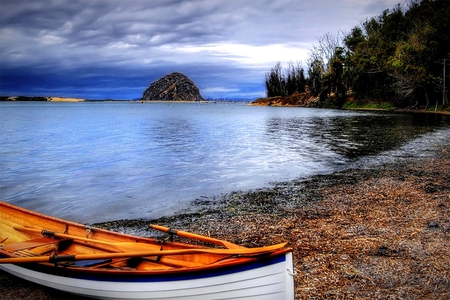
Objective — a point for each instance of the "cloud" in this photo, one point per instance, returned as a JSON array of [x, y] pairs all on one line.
[[375, 8], [75, 48]]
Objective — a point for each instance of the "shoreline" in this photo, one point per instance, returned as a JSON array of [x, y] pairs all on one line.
[[375, 232], [406, 111], [262, 102], [307, 100]]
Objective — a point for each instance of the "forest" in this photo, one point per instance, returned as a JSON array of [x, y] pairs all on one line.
[[398, 57]]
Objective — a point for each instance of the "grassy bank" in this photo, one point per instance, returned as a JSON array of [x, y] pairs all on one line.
[[368, 105], [383, 105]]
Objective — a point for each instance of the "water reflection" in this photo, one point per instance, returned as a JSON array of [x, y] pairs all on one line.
[[352, 136]]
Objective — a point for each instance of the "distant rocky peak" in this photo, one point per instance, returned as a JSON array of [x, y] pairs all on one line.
[[173, 87]]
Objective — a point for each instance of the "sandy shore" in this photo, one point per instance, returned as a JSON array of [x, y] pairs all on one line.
[[381, 232], [63, 99]]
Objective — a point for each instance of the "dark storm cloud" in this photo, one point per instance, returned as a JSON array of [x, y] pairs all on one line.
[[114, 49]]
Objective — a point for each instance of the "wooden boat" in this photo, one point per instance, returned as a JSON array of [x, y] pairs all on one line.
[[102, 264]]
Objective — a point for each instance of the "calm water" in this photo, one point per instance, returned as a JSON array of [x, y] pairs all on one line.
[[92, 162]]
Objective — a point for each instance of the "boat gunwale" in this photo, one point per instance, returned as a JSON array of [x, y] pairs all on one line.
[[156, 275]]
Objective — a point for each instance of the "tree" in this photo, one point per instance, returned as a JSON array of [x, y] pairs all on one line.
[[316, 72], [275, 85], [353, 39], [279, 83], [319, 60], [295, 79], [333, 90], [409, 65]]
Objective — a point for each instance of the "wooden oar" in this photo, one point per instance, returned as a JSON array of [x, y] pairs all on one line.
[[196, 237], [119, 246], [64, 258]]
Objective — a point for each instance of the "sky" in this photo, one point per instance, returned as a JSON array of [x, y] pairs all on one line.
[[114, 49]]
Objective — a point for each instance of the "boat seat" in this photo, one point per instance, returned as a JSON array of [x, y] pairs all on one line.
[[180, 263], [42, 241], [148, 266]]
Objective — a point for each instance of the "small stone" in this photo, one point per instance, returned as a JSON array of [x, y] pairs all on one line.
[[433, 225]]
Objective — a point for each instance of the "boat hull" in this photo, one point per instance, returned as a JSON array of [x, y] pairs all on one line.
[[270, 278]]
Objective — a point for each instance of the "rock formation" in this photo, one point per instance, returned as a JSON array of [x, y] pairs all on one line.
[[173, 87]]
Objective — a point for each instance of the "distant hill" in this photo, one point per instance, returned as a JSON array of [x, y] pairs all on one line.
[[173, 87]]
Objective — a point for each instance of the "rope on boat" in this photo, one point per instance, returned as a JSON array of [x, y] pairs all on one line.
[[292, 273], [88, 231]]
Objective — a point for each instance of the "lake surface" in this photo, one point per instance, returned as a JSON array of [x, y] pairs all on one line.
[[92, 161]]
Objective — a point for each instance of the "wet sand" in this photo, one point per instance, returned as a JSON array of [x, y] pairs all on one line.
[[380, 232]]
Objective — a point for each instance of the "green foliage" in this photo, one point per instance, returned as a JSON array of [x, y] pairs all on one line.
[[26, 98], [368, 105], [396, 59], [352, 40]]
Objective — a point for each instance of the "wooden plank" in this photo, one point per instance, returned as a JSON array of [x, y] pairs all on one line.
[[149, 265], [179, 263]]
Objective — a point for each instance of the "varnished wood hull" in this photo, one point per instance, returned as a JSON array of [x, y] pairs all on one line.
[[199, 276]]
